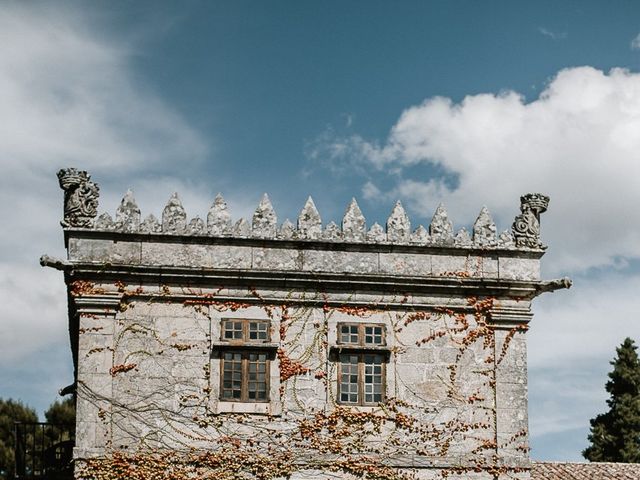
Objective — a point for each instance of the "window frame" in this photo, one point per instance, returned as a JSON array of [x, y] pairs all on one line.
[[245, 347], [244, 380], [245, 340], [361, 350], [362, 327]]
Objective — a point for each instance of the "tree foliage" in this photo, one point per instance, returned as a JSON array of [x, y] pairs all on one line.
[[11, 411], [62, 412], [615, 435]]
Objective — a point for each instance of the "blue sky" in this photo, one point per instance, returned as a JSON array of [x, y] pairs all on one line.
[[470, 103]]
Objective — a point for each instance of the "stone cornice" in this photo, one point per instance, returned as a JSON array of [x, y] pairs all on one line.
[[310, 244], [317, 281]]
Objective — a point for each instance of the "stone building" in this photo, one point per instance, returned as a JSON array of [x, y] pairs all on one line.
[[217, 349]]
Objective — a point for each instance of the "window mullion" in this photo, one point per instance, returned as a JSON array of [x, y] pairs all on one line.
[[245, 376], [360, 379]]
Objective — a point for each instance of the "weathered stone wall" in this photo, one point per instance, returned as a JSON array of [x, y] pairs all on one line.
[[149, 299]]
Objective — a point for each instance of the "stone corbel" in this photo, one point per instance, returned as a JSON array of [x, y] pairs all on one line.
[[103, 305], [510, 316]]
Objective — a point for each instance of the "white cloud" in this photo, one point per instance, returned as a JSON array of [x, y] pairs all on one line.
[[577, 142], [573, 336], [586, 322], [69, 97], [551, 34], [635, 43]]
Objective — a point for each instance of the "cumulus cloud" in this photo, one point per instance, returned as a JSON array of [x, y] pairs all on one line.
[[577, 142], [573, 336], [635, 43], [68, 97]]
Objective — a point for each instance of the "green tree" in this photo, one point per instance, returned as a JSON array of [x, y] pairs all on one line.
[[62, 412], [63, 415], [615, 435], [11, 411]]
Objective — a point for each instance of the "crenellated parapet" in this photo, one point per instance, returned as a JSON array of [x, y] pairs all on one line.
[[81, 198]]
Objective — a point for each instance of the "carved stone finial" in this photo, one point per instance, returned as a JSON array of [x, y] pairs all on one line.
[[420, 236], [241, 228], [218, 218], [309, 221], [196, 226], [462, 239], [354, 225], [80, 198], [398, 224], [376, 233], [484, 229], [128, 214], [526, 226], [104, 222], [150, 225], [174, 217], [264, 219], [286, 230], [441, 228], [332, 232]]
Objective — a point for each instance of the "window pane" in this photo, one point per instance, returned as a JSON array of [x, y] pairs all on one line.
[[257, 381], [349, 378], [373, 335], [232, 375], [258, 331], [349, 334], [373, 378], [232, 330]]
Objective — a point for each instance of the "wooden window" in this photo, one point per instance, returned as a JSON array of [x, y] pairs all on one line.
[[361, 363], [245, 376], [244, 372], [362, 334], [243, 331]]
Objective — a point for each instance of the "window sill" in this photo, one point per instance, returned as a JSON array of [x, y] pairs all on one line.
[[244, 346], [360, 348], [360, 408], [273, 408]]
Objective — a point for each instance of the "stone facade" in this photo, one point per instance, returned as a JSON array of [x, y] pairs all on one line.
[[234, 350]]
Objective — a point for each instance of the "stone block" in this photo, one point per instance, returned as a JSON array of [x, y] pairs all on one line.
[[405, 264], [175, 254], [230, 256], [511, 268], [448, 265], [490, 266], [276, 259], [339, 262], [104, 251]]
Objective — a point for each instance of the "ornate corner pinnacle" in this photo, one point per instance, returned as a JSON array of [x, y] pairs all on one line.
[[526, 226], [80, 198]]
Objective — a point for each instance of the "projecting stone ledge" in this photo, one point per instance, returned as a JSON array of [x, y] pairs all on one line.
[[81, 201]]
